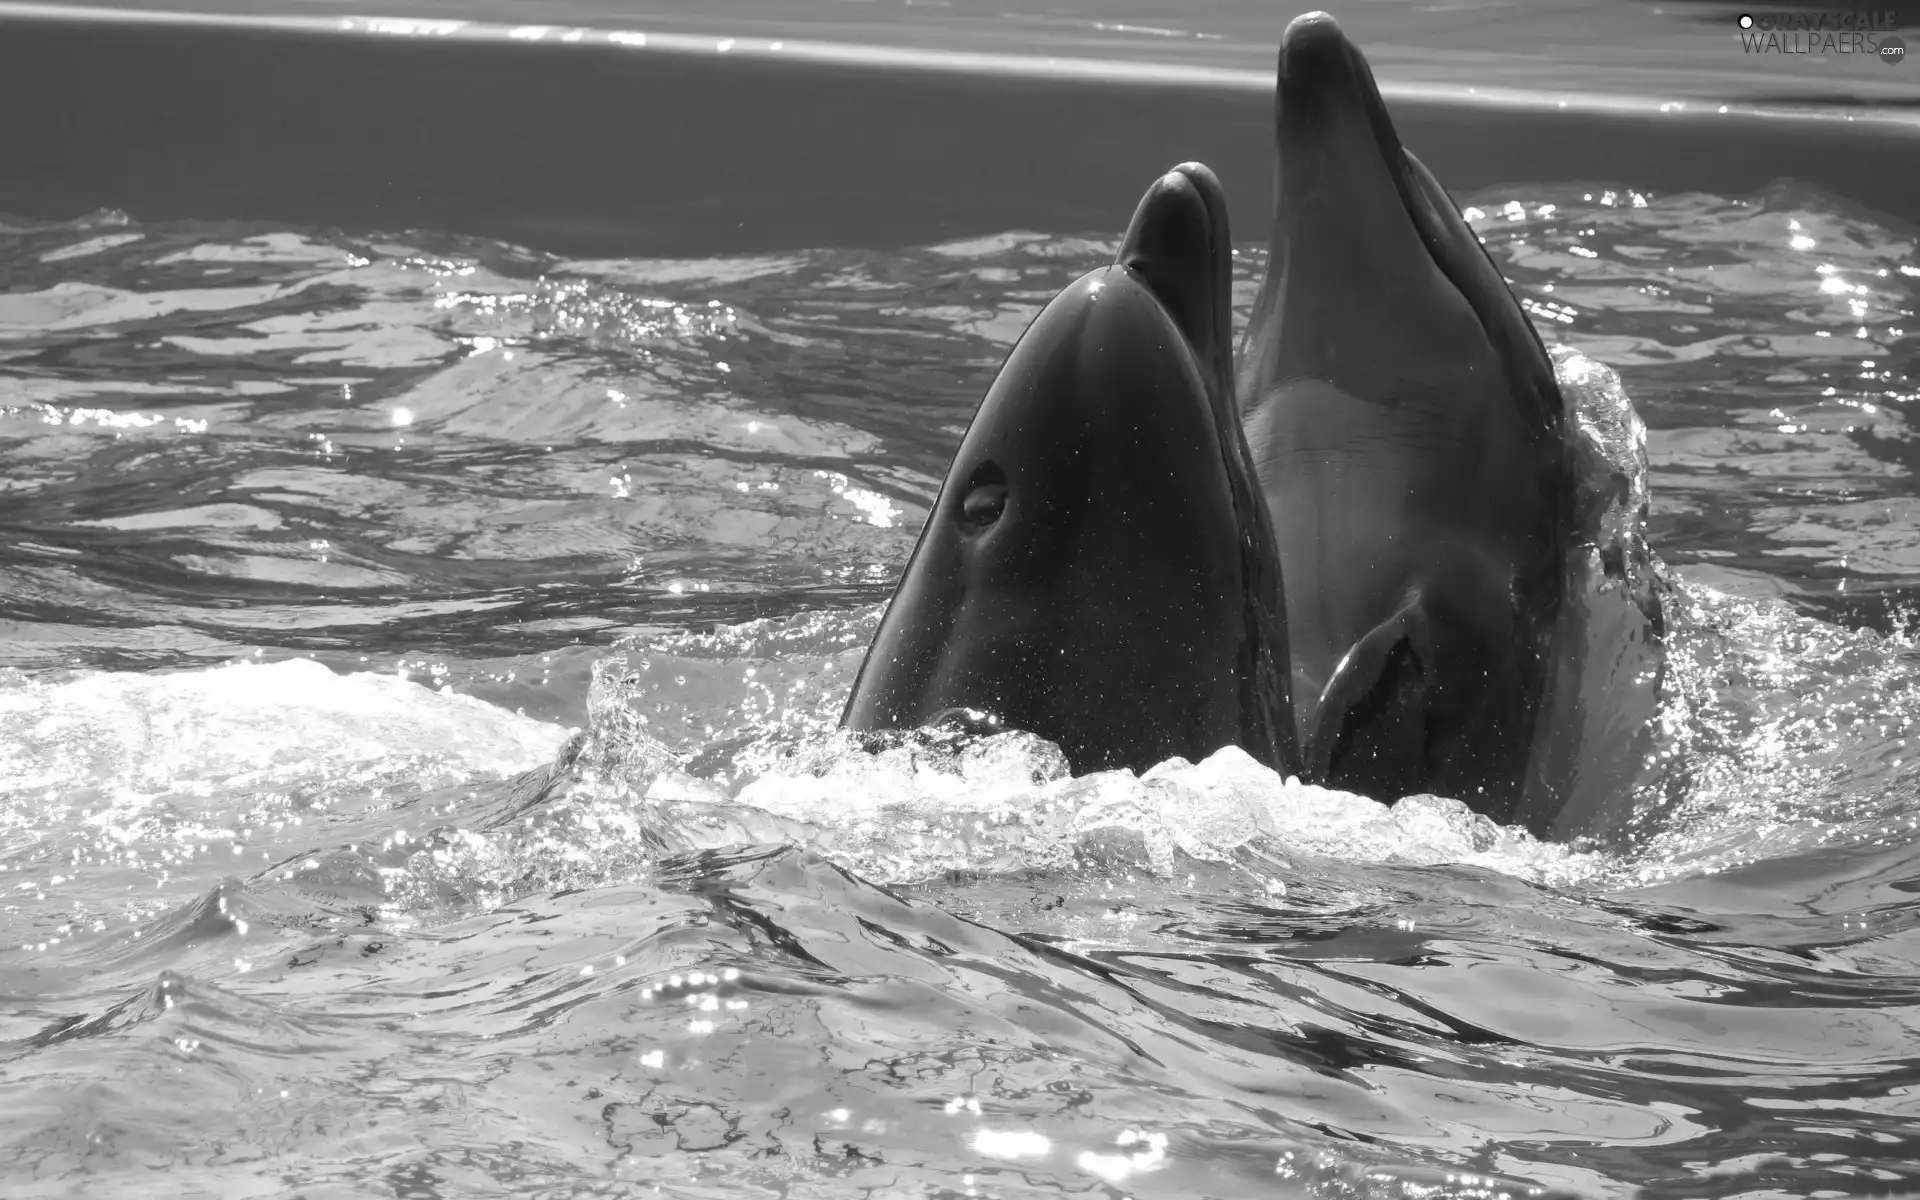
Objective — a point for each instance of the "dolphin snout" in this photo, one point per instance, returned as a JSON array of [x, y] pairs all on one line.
[[1314, 45]]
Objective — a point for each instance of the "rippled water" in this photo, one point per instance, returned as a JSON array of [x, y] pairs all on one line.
[[316, 546]]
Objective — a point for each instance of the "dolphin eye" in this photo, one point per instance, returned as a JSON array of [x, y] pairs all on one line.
[[986, 497]]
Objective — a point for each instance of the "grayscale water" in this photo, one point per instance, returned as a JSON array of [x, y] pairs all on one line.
[[319, 547]]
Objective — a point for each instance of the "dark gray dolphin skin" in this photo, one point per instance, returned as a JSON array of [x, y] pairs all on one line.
[[1409, 437], [1098, 568]]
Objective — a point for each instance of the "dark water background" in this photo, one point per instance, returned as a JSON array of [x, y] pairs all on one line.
[[315, 545], [1622, 49]]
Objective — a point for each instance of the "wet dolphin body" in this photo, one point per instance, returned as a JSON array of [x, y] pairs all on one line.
[[1098, 568], [1409, 437]]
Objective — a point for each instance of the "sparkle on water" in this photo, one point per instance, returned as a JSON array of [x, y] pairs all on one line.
[[417, 775]]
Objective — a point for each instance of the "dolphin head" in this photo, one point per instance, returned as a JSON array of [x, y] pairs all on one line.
[[1408, 436], [1098, 568], [1375, 282]]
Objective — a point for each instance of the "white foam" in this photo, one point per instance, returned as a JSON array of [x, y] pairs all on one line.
[[161, 731], [1008, 802]]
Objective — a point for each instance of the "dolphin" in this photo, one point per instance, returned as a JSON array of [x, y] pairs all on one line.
[[1099, 568], [1412, 445]]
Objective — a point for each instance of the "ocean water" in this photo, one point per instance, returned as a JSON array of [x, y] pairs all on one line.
[[418, 662]]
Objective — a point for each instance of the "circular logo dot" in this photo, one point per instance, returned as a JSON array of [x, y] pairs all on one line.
[[1746, 22], [1892, 49]]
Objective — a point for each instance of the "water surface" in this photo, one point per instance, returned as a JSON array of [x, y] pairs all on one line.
[[318, 547]]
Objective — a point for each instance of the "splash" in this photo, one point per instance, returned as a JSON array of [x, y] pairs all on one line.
[[912, 807]]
